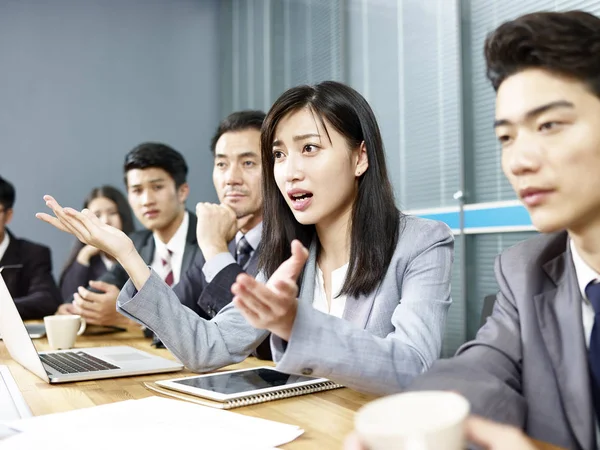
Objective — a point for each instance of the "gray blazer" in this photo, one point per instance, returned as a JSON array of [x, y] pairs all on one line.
[[384, 340], [528, 364]]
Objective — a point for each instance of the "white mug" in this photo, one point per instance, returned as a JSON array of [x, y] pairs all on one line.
[[427, 420], [63, 329]]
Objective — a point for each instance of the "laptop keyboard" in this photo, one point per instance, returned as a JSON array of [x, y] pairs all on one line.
[[75, 362]]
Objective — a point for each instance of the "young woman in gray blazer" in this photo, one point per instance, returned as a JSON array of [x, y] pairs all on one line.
[[365, 306]]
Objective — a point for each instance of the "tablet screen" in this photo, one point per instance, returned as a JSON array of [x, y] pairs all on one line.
[[242, 381]]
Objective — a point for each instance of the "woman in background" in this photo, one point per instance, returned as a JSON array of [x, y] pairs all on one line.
[[86, 262]]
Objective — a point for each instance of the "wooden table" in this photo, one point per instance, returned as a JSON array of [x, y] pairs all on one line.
[[327, 417]]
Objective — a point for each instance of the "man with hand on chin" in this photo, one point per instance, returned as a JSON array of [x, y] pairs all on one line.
[[229, 233]]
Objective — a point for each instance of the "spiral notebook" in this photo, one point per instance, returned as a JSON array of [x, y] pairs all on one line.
[[235, 388]]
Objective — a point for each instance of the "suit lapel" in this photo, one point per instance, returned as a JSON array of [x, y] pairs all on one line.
[[560, 319], [147, 250], [307, 288], [358, 310], [191, 244], [11, 255]]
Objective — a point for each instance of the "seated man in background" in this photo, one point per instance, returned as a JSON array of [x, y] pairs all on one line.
[[26, 267], [229, 233], [536, 362], [155, 177]]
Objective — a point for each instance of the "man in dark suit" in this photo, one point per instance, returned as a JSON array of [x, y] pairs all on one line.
[[228, 234], [535, 363], [155, 176], [27, 267]]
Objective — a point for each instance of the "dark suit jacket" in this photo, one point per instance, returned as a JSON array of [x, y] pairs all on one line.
[[528, 364], [31, 286], [207, 299], [79, 275]]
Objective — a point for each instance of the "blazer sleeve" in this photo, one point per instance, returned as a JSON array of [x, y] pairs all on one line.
[[330, 347], [487, 370], [201, 345], [208, 299], [43, 296]]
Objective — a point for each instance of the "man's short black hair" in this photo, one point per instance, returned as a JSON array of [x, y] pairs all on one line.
[[566, 43], [237, 121], [155, 154], [7, 194]]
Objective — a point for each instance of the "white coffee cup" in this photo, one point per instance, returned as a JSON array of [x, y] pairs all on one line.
[[63, 329], [427, 420]]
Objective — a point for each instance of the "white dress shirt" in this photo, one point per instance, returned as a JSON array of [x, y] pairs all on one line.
[[585, 275], [4, 244], [338, 302], [176, 246]]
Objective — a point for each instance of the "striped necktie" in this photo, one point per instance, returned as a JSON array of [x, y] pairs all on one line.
[[168, 270], [242, 252]]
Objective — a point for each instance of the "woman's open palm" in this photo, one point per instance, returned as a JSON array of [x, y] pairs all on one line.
[[86, 227]]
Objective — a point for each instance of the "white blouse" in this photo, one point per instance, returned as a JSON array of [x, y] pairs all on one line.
[[338, 303]]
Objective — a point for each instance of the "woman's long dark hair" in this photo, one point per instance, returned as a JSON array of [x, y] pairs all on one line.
[[123, 209], [375, 219]]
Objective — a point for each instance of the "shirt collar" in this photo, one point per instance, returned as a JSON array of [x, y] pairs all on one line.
[[108, 263], [177, 242], [253, 236], [585, 274], [4, 244]]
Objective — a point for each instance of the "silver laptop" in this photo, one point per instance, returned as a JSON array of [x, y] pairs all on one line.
[[77, 364], [35, 330]]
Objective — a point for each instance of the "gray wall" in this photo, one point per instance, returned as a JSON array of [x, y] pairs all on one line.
[[82, 82]]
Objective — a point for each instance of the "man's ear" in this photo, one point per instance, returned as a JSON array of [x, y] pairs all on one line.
[[362, 163], [183, 192], [9, 216]]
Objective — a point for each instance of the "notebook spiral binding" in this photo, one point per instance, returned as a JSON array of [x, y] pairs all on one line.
[[249, 400], [293, 392]]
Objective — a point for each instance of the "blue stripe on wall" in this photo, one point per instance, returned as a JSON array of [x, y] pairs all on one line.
[[508, 216]]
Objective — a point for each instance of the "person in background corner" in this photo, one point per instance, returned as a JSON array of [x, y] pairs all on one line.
[[26, 266]]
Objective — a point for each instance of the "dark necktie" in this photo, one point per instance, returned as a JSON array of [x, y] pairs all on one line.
[[593, 294], [242, 252]]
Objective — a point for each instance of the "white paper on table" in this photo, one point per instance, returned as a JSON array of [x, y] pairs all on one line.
[[153, 422]]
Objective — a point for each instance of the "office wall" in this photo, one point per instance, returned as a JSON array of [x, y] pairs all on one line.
[[268, 46], [82, 82]]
